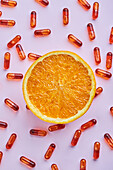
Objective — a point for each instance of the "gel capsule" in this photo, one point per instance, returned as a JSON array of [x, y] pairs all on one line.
[[98, 91], [1, 155], [37, 132], [108, 140], [109, 60], [95, 10], [0, 13], [20, 52], [27, 162], [42, 32], [8, 3], [33, 56], [96, 150], [27, 107], [91, 32], [50, 151], [76, 137], [56, 127], [97, 55], [74, 40], [43, 3], [65, 16], [111, 36], [11, 104], [84, 4], [82, 164], [7, 23], [33, 19], [103, 73], [88, 124], [14, 76], [11, 141], [3, 124], [54, 167], [6, 60], [111, 110], [14, 41]]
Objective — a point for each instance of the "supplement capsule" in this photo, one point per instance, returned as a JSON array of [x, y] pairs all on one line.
[[84, 4], [27, 107], [111, 36], [8, 3], [74, 40], [95, 10], [88, 124], [54, 167], [20, 52], [76, 137], [82, 164], [109, 60], [6, 23], [27, 162], [14, 41], [1, 155], [56, 127], [103, 73], [43, 3], [98, 91], [11, 104], [91, 32], [3, 124], [37, 132], [33, 56], [65, 16], [50, 151], [111, 110], [14, 76], [0, 13], [6, 60], [11, 141], [33, 19], [96, 150], [97, 55], [42, 32], [108, 140]]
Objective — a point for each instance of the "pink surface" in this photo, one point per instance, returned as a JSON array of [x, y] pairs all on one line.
[[33, 147]]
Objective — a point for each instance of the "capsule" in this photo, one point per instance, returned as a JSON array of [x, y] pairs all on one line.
[[0, 13], [84, 4], [43, 3], [14, 76], [109, 60], [14, 41], [56, 127], [54, 167], [97, 55], [50, 151], [11, 141], [88, 124], [42, 32], [96, 150], [37, 132], [3, 124], [108, 140], [91, 31], [111, 36], [11, 104], [8, 3], [74, 40], [82, 164], [65, 16], [27, 162], [7, 23], [95, 10], [6, 60], [76, 137], [1, 155], [20, 52], [33, 19], [98, 91], [103, 73], [32, 56], [27, 107], [111, 110]]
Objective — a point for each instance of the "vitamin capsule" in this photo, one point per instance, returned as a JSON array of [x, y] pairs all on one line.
[[14, 76], [109, 60], [1, 155], [56, 127], [33, 19], [33, 56], [43, 3], [76, 137], [65, 16], [103, 73], [88, 124], [37, 132], [11, 104], [27, 107], [95, 10], [0, 13], [84, 4], [108, 140], [43, 32], [97, 55], [98, 91], [14, 41], [7, 23], [111, 36], [96, 150], [20, 52], [3, 124], [54, 167], [74, 40], [8, 3], [91, 32], [11, 141], [6, 60], [50, 151], [27, 162], [82, 164], [111, 110]]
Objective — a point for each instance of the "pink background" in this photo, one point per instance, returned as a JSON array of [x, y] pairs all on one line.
[[34, 147]]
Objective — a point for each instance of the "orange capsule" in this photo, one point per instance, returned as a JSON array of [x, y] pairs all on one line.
[[8, 3], [27, 107], [11, 141], [11, 104], [56, 127], [97, 55], [3, 124], [91, 31], [33, 19], [108, 140], [50, 151], [96, 150], [54, 167], [27, 162], [82, 164], [103, 73], [111, 36], [98, 91], [111, 110], [20, 52], [32, 56], [88, 124], [84, 4], [95, 10], [0, 13], [37, 132], [109, 60], [65, 16], [76, 137], [42, 32], [14, 76], [1, 155], [74, 40], [7, 23], [6, 60], [43, 3], [14, 41]]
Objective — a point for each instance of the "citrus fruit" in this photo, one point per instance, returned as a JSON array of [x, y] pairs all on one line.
[[59, 87]]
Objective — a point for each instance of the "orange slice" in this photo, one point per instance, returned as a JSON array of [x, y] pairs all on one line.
[[59, 87]]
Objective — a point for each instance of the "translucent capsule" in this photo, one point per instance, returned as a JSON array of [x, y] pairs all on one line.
[[76, 137], [109, 60], [3, 124], [14, 41], [42, 32], [6, 60], [27, 107], [95, 10], [11, 141], [33, 19], [14, 76], [98, 91], [74, 40], [50, 151], [103, 73], [111, 36], [65, 16], [7, 23], [0, 13], [20, 52], [37, 132], [82, 164], [11, 104], [84, 4], [111, 110], [91, 32], [97, 55], [27, 162], [8, 3], [96, 150], [32, 56], [56, 127], [1, 155], [43, 3], [108, 140], [88, 124], [54, 167]]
